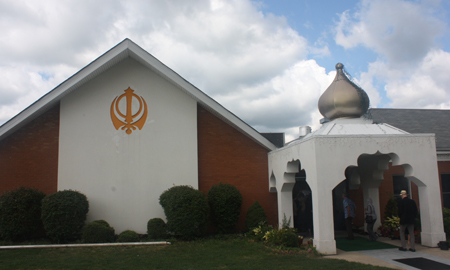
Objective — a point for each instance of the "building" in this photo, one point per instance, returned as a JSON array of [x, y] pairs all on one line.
[[350, 153], [420, 121], [126, 128], [123, 130]]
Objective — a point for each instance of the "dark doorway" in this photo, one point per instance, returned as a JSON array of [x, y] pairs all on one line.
[[338, 206], [302, 204], [445, 181]]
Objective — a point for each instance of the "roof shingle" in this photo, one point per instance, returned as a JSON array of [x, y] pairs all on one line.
[[418, 121]]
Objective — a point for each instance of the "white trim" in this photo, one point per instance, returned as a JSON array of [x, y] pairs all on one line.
[[443, 156], [89, 245]]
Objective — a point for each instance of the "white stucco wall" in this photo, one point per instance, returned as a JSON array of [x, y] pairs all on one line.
[[325, 158], [123, 175]]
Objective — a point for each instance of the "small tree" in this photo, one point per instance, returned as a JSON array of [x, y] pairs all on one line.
[[20, 213], [64, 214], [225, 202], [186, 210], [391, 209], [255, 216]]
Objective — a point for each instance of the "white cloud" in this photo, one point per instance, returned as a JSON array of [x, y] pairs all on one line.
[[400, 31], [410, 65], [23, 84], [53, 32], [427, 87], [284, 103], [228, 45], [254, 64]]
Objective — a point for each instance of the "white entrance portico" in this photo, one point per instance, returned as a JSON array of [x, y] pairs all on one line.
[[351, 139]]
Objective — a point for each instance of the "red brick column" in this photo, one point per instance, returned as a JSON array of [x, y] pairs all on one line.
[[226, 155], [29, 156]]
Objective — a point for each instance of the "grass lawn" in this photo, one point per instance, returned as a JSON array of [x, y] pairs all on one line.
[[201, 254]]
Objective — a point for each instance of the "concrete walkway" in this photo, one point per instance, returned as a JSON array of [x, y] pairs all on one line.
[[386, 257]]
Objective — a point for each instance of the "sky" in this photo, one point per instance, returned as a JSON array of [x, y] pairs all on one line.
[[266, 61]]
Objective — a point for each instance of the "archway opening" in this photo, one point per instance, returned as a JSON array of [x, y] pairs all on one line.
[[302, 205], [349, 185], [374, 177], [338, 207]]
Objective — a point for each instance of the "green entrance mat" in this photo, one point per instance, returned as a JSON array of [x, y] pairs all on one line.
[[360, 243]]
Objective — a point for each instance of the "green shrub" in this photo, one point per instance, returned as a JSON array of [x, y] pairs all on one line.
[[255, 216], [98, 231], [286, 237], [418, 223], [445, 212], [258, 233], [128, 236], [391, 209], [289, 238], [156, 228], [186, 210], [446, 216], [64, 214], [20, 213], [225, 203], [102, 222]]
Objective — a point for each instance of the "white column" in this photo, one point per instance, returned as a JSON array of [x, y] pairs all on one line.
[[431, 216], [322, 197], [285, 207]]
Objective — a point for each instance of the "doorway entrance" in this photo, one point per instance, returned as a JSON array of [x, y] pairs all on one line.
[[302, 205]]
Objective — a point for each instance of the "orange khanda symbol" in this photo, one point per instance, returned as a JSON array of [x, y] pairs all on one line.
[[127, 122]]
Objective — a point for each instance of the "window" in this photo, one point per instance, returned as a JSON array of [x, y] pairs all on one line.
[[445, 181], [401, 183]]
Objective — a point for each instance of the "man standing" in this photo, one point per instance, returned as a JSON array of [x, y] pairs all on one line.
[[407, 211], [349, 211]]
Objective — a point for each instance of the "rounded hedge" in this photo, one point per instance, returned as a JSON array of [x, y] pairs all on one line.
[[283, 237], [289, 238], [186, 210], [64, 214], [156, 228], [128, 236], [255, 216], [20, 213], [225, 202], [98, 231]]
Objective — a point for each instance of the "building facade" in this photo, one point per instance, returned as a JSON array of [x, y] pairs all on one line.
[[126, 128]]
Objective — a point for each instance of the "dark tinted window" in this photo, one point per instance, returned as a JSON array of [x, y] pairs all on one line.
[[445, 177]]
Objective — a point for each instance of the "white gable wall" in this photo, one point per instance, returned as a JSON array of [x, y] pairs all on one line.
[[123, 175]]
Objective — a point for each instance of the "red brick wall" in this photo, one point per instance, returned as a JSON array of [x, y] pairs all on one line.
[[356, 196], [225, 155], [29, 156]]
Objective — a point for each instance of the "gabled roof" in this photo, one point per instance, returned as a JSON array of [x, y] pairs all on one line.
[[123, 50], [418, 121]]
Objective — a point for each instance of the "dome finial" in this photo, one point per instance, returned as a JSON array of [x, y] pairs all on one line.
[[343, 98]]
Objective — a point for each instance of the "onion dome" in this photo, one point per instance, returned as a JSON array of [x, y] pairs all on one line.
[[343, 98]]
